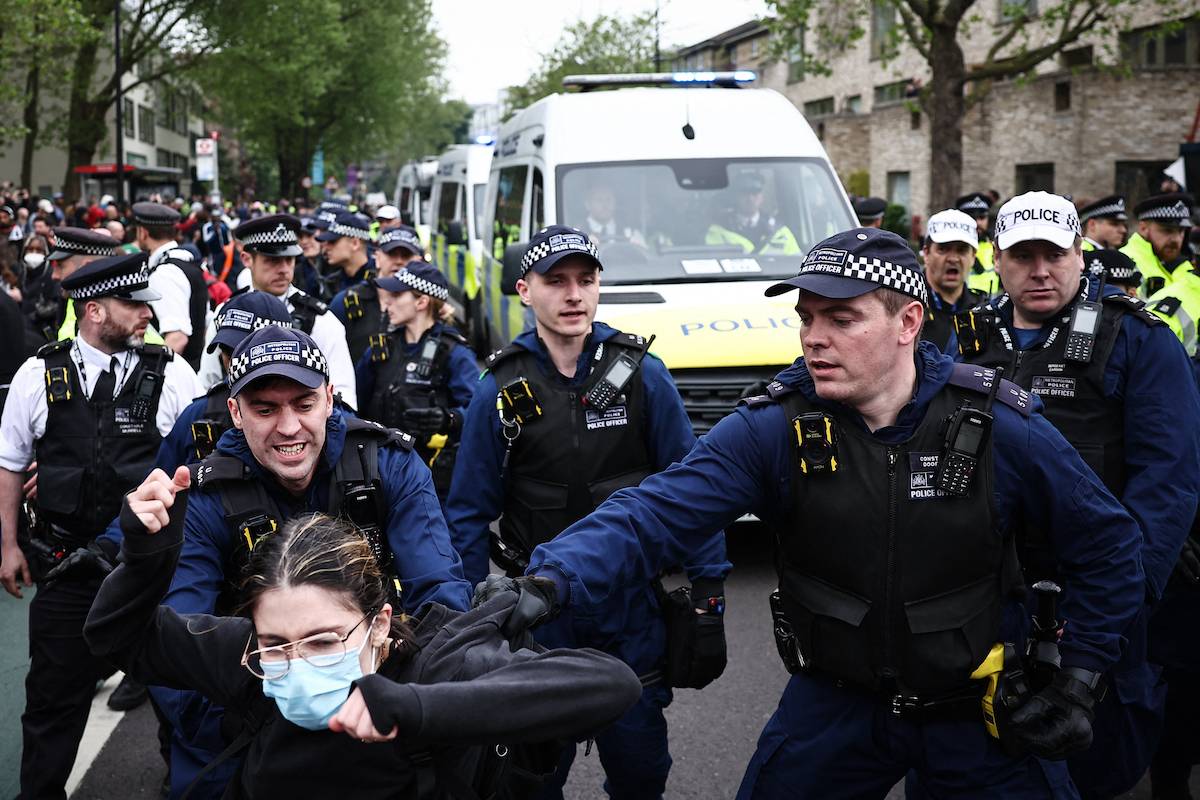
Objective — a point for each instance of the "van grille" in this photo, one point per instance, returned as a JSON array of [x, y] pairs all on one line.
[[710, 394]]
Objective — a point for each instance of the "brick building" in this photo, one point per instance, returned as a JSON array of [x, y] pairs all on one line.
[[1080, 125]]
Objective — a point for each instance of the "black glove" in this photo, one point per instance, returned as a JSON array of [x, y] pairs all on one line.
[[83, 563], [1188, 565], [1057, 722], [425, 422], [537, 601], [708, 652]]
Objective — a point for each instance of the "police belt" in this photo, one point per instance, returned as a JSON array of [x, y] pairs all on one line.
[[958, 705], [60, 538]]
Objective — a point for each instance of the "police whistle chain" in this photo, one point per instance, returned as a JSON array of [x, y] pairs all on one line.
[[615, 379]]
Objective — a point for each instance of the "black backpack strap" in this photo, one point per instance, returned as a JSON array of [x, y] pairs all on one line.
[[979, 379], [249, 510], [356, 491], [503, 353]]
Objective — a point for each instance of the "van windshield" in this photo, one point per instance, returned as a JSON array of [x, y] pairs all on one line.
[[702, 219]]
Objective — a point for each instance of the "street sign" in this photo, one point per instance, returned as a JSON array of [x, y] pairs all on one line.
[[206, 160]]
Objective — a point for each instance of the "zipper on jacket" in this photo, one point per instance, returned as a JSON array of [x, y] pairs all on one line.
[[573, 403], [889, 574]]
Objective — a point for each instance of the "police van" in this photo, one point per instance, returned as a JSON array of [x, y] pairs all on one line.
[[457, 201], [414, 184], [698, 194]]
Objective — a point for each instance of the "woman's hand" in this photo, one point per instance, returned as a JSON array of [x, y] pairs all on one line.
[[152, 501], [353, 719]]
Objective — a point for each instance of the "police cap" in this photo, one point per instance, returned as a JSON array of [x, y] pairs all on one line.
[[281, 352], [402, 237], [418, 276], [869, 209], [855, 262], [1111, 207], [347, 223], [154, 214], [126, 277], [245, 313], [1174, 209], [977, 204], [1117, 267], [81, 242], [554, 243], [272, 235]]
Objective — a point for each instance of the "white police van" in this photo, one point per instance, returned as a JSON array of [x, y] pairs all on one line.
[[457, 202], [414, 184], [699, 196]]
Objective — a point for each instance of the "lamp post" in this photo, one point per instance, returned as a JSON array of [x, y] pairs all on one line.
[[120, 106]]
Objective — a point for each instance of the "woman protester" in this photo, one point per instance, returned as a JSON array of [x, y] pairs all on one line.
[[341, 696]]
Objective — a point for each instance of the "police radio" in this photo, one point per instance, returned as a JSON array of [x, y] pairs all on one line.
[[966, 438], [1081, 337], [615, 379], [143, 395], [817, 438]]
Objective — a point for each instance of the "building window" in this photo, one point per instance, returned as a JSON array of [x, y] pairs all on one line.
[[136, 160], [796, 58], [145, 124], [890, 93], [818, 108], [127, 118], [164, 106], [1035, 178], [1013, 10], [883, 20], [854, 104], [1062, 96], [180, 162], [162, 158], [754, 48], [1163, 46], [899, 189], [1079, 57]]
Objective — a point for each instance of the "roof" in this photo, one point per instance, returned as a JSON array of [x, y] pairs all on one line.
[[746, 30]]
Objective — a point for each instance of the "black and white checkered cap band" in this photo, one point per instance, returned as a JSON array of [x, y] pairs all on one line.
[[281, 235], [542, 249], [348, 230], [1122, 274], [243, 320], [1109, 210], [1176, 213], [975, 204], [66, 245], [119, 284], [423, 286], [876, 270], [260, 356], [401, 236]]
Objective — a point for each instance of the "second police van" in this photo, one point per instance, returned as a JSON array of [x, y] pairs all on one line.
[[697, 198]]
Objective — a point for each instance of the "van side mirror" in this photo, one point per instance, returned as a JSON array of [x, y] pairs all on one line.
[[511, 271], [455, 233]]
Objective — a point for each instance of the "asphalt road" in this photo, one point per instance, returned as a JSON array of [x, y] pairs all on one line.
[[713, 731]]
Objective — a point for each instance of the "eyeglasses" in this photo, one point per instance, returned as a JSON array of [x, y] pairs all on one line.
[[320, 650]]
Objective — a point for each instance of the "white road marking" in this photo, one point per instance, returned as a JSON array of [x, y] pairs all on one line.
[[101, 722]]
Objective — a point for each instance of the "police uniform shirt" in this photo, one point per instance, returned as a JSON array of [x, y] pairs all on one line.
[[170, 282], [24, 420], [328, 332]]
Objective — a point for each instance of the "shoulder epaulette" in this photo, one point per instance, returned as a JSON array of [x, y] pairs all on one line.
[[631, 340], [363, 427], [156, 351], [215, 469], [771, 394], [50, 348], [454, 336], [979, 379], [1136, 308], [1168, 306], [504, 352], [309, 302]]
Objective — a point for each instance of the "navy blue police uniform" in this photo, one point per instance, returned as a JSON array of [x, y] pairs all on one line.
[[882, 629], [356, 226], [358, 306], [560, 471]]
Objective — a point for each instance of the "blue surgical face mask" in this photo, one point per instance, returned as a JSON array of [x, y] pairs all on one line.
[[310, 694]]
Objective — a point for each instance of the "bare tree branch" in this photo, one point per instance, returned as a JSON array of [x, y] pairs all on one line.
[[1028, 60], [913, 29]]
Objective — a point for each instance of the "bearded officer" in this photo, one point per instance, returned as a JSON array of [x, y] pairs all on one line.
[[1156, 247], [92, 410]]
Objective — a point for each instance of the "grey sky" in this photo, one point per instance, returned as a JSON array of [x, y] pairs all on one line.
[[498, 44]]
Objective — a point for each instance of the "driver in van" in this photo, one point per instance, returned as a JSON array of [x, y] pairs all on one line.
[[601, 224], [748, 225]]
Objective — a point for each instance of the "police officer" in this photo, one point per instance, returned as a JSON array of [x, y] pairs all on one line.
[[92, 411], [747, 224], [870, 211], [1157, 245], [948, 252], [567, 414], [1119, 269], [1105, 223], [892, 588], [346, 245], [270, 245], [1117, 386], [181, 314], [358, 306], [421, 376], [292, 451], [310, 262], [72, 249], [983, 278]]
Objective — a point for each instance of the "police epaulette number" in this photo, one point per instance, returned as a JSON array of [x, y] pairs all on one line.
[[1137, 307], [969, 376]]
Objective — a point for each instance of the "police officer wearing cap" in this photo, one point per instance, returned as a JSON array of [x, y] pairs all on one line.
[[293, 451], [983, 278], [747, 223], [421, 375], [894, 572], [1120, 389], [1119, 269], [870, 211], [1157, 245], [310, 264], [270, 245], [948, 253], [91, 411], [1105, 223], [43, 301], [181, 313], [564, 416], [358, 307], [346, 245]]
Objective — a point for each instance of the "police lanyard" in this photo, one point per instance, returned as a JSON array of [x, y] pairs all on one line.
[[1051, 338], [117, 387]]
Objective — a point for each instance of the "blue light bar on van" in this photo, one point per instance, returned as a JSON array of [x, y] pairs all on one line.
[[733, 79], [485, 139]]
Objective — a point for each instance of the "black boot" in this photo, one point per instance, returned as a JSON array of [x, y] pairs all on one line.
[[128, 695]]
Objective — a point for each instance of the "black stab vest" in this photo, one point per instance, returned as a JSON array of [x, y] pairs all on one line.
[[198, 306], [398, 388], [939, 322], [364, 318], [568, 461], [94, 451], [209, 427], [889, 584]]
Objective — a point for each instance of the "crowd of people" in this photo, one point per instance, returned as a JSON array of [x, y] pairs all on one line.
[[250, 461]]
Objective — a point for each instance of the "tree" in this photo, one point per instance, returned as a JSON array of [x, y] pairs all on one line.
[[606, 44], [937, 31], [356, 78]]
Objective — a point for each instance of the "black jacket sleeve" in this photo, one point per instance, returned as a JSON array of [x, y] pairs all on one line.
[[470, 688], [153, 643]]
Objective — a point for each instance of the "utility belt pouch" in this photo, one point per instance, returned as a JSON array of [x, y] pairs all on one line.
[[785, 636], [512, 559]]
